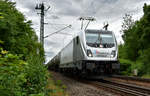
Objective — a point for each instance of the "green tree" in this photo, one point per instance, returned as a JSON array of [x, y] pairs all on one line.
[[136, 37], [22, 72], [16, 31], [127, 24]]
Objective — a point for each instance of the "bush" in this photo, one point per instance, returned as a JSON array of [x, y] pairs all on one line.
[[12, 74], [139, 66], [125, 66], [22, 74], [18, 78], [145, 61], [37, 76]]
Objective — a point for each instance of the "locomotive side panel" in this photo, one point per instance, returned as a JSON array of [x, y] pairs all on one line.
[[78, 53], [66, 55], [78, 50]]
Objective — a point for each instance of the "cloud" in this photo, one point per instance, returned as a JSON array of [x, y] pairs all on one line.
[[65, 12], [49, 54], [55, 17]]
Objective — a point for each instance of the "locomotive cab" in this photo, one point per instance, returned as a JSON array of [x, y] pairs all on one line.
[[102, 50], [101, 45]]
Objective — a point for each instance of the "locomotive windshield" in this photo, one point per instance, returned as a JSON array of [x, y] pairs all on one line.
[[96, 38]]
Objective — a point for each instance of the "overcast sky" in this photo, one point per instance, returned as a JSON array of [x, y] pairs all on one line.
[[65, 12]]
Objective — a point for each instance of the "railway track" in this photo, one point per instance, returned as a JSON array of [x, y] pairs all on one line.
[[131, 78], [121, 88]]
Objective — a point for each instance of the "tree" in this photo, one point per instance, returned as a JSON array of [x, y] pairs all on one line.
[[136, 36], [127, 24], [16, 31], [22, 72]]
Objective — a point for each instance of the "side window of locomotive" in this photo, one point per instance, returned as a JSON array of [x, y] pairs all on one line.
[[77, 40]]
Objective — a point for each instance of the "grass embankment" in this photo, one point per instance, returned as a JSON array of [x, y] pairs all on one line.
[[55, 87]]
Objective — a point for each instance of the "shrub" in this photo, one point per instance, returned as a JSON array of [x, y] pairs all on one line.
[[125, 66], [20, 78], [12, 74], [37, 76], [22, 74], [139, 66]]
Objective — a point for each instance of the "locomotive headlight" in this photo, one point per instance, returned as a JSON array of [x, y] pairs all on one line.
[[113, 53], [101, 46], [89, 53]]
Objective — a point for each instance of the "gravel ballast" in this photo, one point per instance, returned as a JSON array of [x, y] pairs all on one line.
[[76, 88]]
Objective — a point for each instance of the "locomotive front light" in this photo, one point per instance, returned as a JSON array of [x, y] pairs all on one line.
[[89, 53], [101, 46], [112, 56], [113, 53]]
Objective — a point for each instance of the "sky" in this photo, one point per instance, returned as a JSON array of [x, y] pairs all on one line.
[[65, 12]]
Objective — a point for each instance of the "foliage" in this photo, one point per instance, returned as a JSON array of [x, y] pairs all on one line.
[[22, 72], [127, 24], [125, 67], [12, 74], [18, 78], [16, 31], [136, 37], [36, 76]]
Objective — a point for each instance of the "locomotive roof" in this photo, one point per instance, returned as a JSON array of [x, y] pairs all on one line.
[[98, 31]]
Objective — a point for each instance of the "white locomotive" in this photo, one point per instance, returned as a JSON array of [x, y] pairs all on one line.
[[92, 50]]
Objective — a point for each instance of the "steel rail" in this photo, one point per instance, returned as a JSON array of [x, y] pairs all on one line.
[[127, 89], [132, 78]]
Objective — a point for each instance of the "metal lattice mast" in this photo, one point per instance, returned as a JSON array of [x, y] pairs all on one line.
[[42, 25], [42, 9]]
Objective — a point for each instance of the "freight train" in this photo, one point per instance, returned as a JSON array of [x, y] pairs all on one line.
[[91, 51]]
